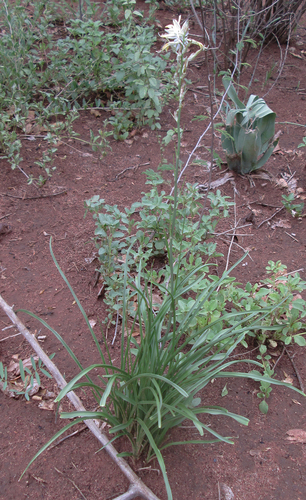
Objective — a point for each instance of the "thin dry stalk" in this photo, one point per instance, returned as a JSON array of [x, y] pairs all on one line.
[[234, 233], [269, 218], [295, 369]]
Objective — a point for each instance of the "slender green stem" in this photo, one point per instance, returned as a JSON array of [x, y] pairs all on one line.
[[176, 170]]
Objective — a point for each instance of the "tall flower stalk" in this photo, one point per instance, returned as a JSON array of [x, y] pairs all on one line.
[[179, 41]]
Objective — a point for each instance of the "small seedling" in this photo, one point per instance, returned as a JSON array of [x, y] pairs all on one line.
[[295, 209], [302, 144], [28, 375]]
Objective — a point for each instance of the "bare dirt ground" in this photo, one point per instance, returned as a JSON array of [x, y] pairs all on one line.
[[262, 464]]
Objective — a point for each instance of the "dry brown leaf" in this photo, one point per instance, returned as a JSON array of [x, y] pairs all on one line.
[[275, 354], [227, 492], [282, 183], [133, 133], [292, 185], [254, 453], [297, 296], [296, 435], [35, 388], [8, 390], [281, 223], [156, 299], [28, 128], [295, 55], [277, 149], [14, 365], [31, 116], [46, 405], [95, 113], [48, 394], [38, 129], [288, 380]]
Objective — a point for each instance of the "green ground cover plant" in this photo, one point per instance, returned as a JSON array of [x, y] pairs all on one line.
[[48, 80]]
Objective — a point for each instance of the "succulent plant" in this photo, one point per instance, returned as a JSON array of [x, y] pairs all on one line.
[[249, 136]]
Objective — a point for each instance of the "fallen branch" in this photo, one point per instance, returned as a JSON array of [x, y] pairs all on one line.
[[137, 487], [233, 235], [33, 197], [266, 220], [4, 216], [126, 169], [69, 436], [76, 487], [295, 369]]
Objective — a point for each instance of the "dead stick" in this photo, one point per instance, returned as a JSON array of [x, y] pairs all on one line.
[[292, 237], [137, 488], [279, 358], [76, 487], [11, 336], [3, 217], [33, 197], [233, 235], [295, 369], [266, 220], [69, 436], [258, 203]]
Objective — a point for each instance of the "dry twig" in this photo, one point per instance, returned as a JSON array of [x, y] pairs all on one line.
[[292, 237], [126, 169], [76, 487], [33, 197], [4, 216], [266, 220], [69, 436], [233, 235], [295, 369], [2, 340]]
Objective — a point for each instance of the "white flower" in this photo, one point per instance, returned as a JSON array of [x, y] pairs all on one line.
[[176, 34], [177, 38]]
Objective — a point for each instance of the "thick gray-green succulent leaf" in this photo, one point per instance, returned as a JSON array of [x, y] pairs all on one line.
[[249, 137]]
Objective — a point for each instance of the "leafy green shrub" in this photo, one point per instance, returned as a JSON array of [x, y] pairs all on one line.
[[248, 138], [54, 78], [147, 237], [281, 290], [284, 325]]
